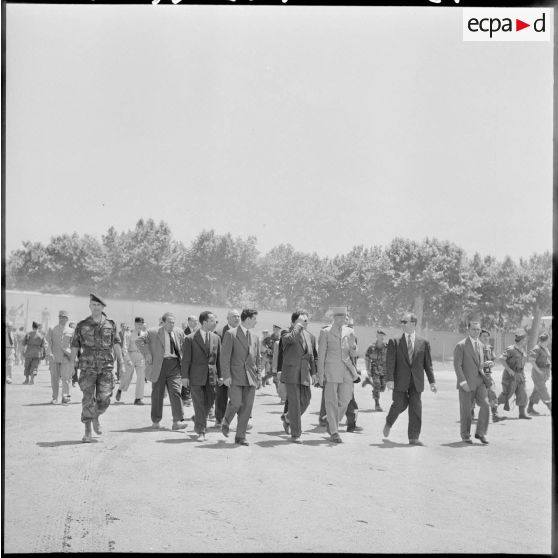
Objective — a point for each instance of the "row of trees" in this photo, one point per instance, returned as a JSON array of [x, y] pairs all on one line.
[[435, 278]]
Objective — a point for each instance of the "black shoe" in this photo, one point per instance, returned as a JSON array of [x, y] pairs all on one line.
[[138, 402], [354, 428], [241, 442], [415, 442], [481, 438], [225, 429], [286, 425], [118, 395], [507, 406], [467, 440]]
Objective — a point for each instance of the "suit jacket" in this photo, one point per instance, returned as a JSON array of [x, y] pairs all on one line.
[[188, 330], [151, 344], [198, 363], [239, 360], [468, 363], [398, 368], [335, 354], [299, 361], [226, 328]]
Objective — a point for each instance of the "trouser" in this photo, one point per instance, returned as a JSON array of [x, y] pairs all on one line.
[[241, 401], [96, 386], [323, 406], [378, 384], [513, 385], [169, 377], [203, 398], [281, 388], [185, 393], [31, 366], [298, 399], [412, 399], [466, 402], [60, 371], [352, 412], [9, 354], [540, 391], [337, 397], [221, 400], [138, 364]]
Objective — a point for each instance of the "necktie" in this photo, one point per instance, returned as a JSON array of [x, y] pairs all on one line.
[[410, 348], [172, 346], [249, 337], [304, 344], [207, 340]]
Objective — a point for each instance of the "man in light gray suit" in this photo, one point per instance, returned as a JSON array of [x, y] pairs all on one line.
[[162, 349], [240, 369], [468, 360], [336, 346]]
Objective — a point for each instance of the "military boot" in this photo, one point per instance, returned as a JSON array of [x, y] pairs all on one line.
[[531, 410], [507, 405], [522, 414], [97, 426], [495, 417], [377, 406], [87, 436]]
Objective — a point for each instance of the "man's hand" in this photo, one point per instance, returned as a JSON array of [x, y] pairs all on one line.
[[489, 363], [185, 382], [227, 382], [389, 385], [434, 389], [315, 381]]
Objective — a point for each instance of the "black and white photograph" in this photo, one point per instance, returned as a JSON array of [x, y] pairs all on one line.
[[277, 277]]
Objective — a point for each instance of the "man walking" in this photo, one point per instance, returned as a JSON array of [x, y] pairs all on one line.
[[133, 360], [298, 369], [9, 351], [336, 346], [222, 390], [540, 360], [375, 359], [59, 339], [488, 353], [162, 350], [468, 362], [35, 346], [408, 358], [96, 337], [201, 368], [240, 369]]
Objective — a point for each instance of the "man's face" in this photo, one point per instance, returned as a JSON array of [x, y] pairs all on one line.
[[233, 318], [210, 323], [522, 343], [485, 338], [303, 320], [192, 323], [168, 324], [340, 319], [407, 325], [95, 307], [249, 323], [62, 320], [276, 332], [474, 330], [138, 326], [380, 339]]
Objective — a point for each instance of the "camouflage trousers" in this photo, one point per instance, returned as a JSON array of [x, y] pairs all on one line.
[[378, 382], [513, 385], [97, 386]]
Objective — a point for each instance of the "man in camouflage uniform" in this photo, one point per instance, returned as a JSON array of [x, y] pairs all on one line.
[[540, 360], [96, 337], [268, 343], [489, 359], [513, 378], [375, 359]]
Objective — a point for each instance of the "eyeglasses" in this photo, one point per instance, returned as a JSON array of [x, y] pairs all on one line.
[[404, 321]]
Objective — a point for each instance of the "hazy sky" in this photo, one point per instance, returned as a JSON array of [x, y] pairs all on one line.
[[325, 127]]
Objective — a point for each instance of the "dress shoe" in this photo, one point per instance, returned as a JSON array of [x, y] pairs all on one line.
[[225, 429], [87, 439], [286, 425], [156, 425], [201, 437], [322, 422], [179, 425], [415, 442], [296, 440], [96, 426], [386, 430], [65, 400], [336, 438], [241, 442], [354, 428], [118, 395], [467, 440], [481, 438], [138, 402], [507, 405]]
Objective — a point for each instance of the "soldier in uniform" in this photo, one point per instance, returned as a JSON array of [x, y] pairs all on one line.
[[268, 343], [9, 351], [35, 345], [513, 378], [489, 359], [61, 367], [96, 337], [375, 359], [134, 361], [540, 360]]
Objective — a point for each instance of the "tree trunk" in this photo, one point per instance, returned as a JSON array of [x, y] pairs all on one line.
[[418, 309], [535, 326]]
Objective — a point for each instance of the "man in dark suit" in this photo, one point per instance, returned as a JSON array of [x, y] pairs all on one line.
[[240, 368], [408, 358], [192, 325], [221, 390], [162, 349], [468, 362], [298, 369], [201, 368]]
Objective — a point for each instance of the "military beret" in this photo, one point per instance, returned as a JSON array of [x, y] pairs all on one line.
[[519, 333], [543, 336], [339, 310], [95, 298], [380, 332], [139, 320], [276, 326], [35, 325], [63, 314]]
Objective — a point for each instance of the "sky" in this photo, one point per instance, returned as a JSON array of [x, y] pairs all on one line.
[[322, 127]]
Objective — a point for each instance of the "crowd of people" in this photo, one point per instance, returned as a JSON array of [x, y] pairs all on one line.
[[218, 371]]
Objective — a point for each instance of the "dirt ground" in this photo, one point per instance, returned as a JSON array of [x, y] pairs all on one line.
[[141, 490]]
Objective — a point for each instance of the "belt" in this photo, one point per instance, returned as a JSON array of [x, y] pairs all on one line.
[[171, 357]]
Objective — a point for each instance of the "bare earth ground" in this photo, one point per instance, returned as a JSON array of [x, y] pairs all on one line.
[[142, 490]]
